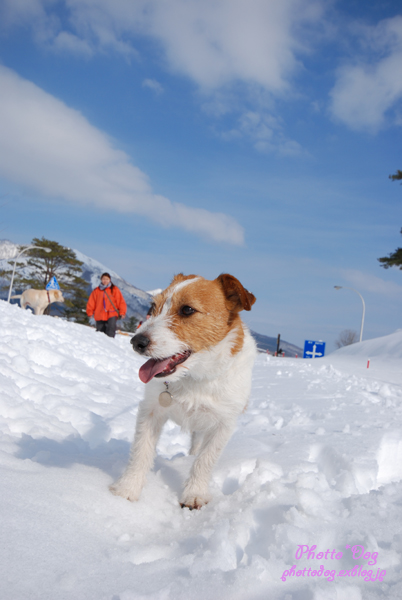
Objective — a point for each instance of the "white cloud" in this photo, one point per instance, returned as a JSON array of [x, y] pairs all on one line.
[[235, 51], [366, 90], [52, 149], [15, 12], [364, 282], [68, 42], [214, 42], [266, 133], [36, 15], [153, 85]]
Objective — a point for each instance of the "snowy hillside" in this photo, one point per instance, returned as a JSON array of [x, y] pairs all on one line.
[[138, 301], [316, 462], [265, 342]]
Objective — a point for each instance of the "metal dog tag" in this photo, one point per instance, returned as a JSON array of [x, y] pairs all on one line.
[[165, 399]]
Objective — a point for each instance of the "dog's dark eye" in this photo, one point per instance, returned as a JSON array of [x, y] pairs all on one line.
[[151, 310], [186, 311]]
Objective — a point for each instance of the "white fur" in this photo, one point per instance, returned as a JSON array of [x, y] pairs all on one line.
[[209, 391], [182, 284], [38, 300]]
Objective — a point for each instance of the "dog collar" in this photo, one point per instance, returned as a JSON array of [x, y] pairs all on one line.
[[165, 397]]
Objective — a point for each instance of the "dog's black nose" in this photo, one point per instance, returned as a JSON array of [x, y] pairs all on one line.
[[140, 343]]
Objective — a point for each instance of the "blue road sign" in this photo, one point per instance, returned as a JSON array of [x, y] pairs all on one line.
[[53, 284], [313, 349]]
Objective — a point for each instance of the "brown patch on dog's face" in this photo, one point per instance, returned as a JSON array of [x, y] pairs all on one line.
[[201, 313]]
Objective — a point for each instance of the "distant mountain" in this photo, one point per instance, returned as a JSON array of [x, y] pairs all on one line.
[[7, 249], [138, 301], [265, 343]]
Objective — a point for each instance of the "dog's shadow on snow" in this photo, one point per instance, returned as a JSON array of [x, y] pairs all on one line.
[[95, 449], [91, 449]]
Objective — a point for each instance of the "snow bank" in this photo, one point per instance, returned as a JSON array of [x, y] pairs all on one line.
[[388, 347], [315, 461]]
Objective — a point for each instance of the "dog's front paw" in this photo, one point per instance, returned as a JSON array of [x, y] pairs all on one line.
[[124, 488], [194, 501]]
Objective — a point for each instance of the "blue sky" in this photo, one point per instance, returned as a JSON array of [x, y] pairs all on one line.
[[253, 137]]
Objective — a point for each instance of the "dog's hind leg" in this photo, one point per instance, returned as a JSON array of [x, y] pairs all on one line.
[[149, 426], [196, 492]]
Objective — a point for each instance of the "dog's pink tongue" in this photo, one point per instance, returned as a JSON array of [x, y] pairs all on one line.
[[151, 368]]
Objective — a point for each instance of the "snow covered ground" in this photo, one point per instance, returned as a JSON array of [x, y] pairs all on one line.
[[316, 461]]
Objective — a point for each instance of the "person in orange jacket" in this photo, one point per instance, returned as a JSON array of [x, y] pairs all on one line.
[[106, 304]]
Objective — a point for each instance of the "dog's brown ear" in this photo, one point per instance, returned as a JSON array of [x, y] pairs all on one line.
[[237, 297]]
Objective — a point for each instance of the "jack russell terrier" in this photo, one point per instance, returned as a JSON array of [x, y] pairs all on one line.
[[198, 373]]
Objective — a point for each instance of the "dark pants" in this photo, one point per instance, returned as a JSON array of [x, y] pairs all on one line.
[[108, 327]]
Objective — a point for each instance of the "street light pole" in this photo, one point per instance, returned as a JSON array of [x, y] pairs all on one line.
[[340, 287], [15, 264]]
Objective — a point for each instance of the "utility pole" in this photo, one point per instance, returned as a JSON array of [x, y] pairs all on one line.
[[278, 341]]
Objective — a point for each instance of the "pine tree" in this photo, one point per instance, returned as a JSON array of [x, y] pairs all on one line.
[[61, 263], [392, 260], [395, 258], [129, 324], [396, 176]]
